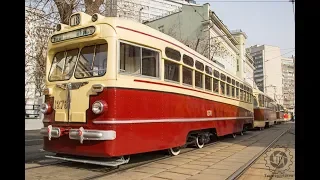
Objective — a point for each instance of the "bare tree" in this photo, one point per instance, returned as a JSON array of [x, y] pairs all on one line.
[[92, 6]]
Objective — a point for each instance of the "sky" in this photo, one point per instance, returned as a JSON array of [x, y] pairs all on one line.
[[270, 23]]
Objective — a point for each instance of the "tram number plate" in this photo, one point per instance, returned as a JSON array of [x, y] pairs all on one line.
[[60, 104]]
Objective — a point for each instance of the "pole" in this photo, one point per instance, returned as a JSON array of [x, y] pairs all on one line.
[[294, 16]]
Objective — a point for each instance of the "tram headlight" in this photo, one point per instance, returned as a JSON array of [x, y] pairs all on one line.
[[58, 27], [94, 17], [99, 107], [45, 108]]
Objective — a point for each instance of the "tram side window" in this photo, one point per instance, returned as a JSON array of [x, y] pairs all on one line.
[[171, 71], [261, 100], [237, 93], [208, 83], [198, 79], [173, 54], [255, 102], [241, 94], [187, 76], [188, 60], [222, 87], [228, 90], [131, 60], [215, 85], [92, 61], [150, 63], [232, 91]]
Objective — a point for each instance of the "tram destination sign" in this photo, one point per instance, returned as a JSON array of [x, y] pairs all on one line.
[[73, 34]]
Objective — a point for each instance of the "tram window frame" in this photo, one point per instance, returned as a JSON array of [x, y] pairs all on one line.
[[65, 53], [165, 68], [233, 82], [237, 93], [140, 71], [255, 102], [169, 54], [199, 65], [196, 83], [208, 70], [185, 69], [187, 60], [237, 83], [228, 89], [228, 79], [216, 88], [208, 79], [241, 86], [233, 91], [216, 74], [261, 100], [222, 91], [222, 77], [241, 95], [105, 63]]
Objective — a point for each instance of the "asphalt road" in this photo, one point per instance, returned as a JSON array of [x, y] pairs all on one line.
[[33, 145]]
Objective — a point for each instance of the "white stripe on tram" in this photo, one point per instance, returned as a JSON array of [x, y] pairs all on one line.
[[167, 120]]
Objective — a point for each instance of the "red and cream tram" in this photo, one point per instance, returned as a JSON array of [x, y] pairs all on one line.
[[280, 113], [265, 112], [116, 88]]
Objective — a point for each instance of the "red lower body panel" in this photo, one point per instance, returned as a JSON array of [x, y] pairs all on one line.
[[170, 115]]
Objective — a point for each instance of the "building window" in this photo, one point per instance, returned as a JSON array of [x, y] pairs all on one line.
[[161, 28]]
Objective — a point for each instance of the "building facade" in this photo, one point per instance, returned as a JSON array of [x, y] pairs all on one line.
[[201, 29], [288, 80], [268, 71], [143, 10]]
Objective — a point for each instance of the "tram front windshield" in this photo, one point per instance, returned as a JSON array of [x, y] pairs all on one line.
[[91, 62]]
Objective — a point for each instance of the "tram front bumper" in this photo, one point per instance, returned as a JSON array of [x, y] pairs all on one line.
[[80, 134]]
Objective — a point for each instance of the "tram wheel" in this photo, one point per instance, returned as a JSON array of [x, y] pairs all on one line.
[[261, 128], [199, 141], [241, 133], [174, 151], [126, 158], [234, 135]]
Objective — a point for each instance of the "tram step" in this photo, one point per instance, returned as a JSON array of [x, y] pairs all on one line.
[[103, 162]]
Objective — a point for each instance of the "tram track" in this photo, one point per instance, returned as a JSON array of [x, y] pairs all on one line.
[[186, 150], [137, 162], [238, 173]]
